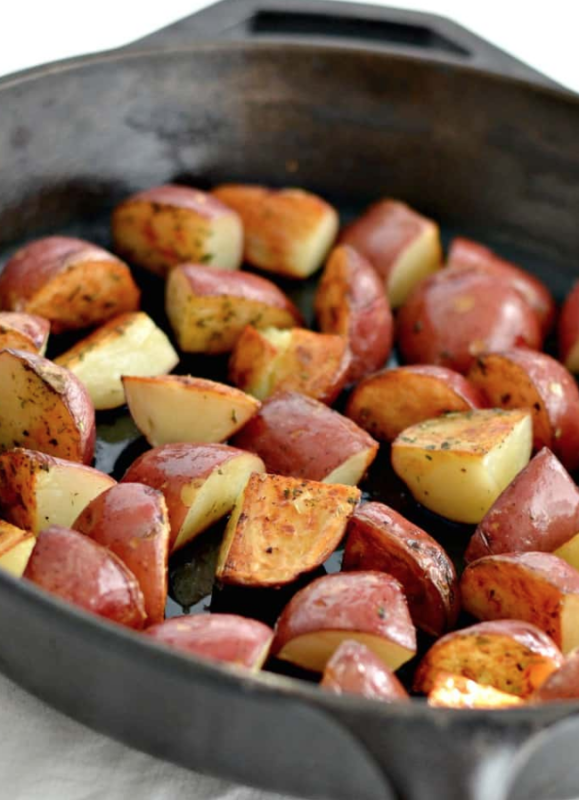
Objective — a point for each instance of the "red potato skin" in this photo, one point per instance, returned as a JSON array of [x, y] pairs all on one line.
[[131, 520], [545, 566], [172, 194], [348, 601], [351, 301], [456, 314], [563, 684], [465, 253], [568, 330], [381, 539], [298, 436], [80, 571], [355, 669], [35, 329], [219, 637], [538, 511]]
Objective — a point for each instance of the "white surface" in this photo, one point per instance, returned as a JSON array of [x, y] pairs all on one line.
[[45, 756]]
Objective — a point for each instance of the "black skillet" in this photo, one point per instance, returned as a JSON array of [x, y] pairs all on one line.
[[353, 102]]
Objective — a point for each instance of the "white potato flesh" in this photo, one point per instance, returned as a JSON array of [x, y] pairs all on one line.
[[64, 491], [569, 623], [308, 253], [569, 551], [353, 469], [457, 465], [16, 546], [421, 258], [572, 360]]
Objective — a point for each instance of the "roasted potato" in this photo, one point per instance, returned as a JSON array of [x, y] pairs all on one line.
[[281, 527], [562, 684], [167, 225], [15, 548], [355, 669], [457, 465], [72, 283], [456, 691], [287, 231], [568, 331], [402, 246], [23, 332], [299, 436]]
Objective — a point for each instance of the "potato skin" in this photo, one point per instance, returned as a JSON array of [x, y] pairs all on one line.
[[568, 330], [350, 301], [378, 538], [355, 669], [538, 511], [456, 314], [456, 691], [82, 572], [563, 684], [20, 331]]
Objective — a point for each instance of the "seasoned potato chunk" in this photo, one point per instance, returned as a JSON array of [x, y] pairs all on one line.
[[23, 332], [16, 546], [456, 691]]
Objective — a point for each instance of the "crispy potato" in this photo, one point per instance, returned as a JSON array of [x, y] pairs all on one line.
[[519, 378], [38, 490], [127, 345], [315, 364], [562, 684], [368, 607], [299, 436], [354, 669], [16, 546], [82, 572], [387, 403], [456, 691], [381, 539], [457, 465], [200, 482], [218, 637], [208, 308], [287, 231], [179, 408], [457, 314], [568, 331], [402, 246], [167, 225], [131, 520], [539, 510], [536, 587], [281, 527], [512, 656], [44, 407], [351, 302], [23, 332], [72, 283]]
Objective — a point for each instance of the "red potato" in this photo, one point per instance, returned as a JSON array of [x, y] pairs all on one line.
[[368, 607], [217, 637], [131, 520], [208, 308], [568, 331], [465, 254], [167, 225], [82, 572], [16, 546], [72, 283], [38, 490], [354, 669], [402, 246], [519, 378], [44, 407], [315, 364], [457, 314], [539, 588], [562, 684], [350, 301], [538, 511], [510, 655], [200, 483], [287, 231], [298, 436], [381, 539], [23, 332], [456, 691], [387, 403]]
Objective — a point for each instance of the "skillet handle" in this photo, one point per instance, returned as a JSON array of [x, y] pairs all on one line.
[[329, 22]]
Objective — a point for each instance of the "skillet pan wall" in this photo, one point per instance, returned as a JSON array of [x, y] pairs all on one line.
[[495, 157]]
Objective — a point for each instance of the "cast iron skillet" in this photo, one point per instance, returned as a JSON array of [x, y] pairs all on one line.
[[364, 102]]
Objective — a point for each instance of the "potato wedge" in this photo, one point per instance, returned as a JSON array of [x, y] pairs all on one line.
[[23, 332], [281, 527], [457, 465], [167, 225], [381, 539], [539, 588], [562, 684], [179, 408], [354, 669], [208, 308], [298, 436], [44, 407], [568, 331], [368, 607], [38, 490], [287, 231], [402, 246], [200, 483], [519, 378], [315, 364], [16, 546], [456, 691], [72, 283], [387, 403], [127, 345], [510, 655]]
